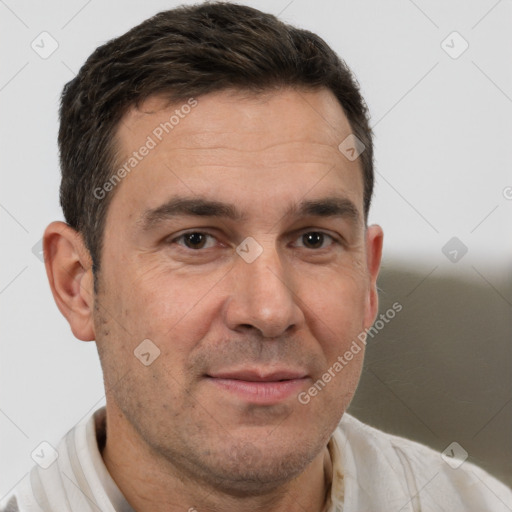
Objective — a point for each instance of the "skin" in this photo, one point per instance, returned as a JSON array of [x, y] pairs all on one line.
[[175, 439]]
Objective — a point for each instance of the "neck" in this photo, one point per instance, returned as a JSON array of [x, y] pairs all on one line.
[[150, 482]]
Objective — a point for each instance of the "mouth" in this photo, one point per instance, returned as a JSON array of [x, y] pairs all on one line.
[[257, 387]]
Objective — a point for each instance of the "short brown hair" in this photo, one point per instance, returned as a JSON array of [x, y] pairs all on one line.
[[181, 53]]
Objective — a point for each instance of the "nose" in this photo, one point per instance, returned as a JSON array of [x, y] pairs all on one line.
[[262, 297]]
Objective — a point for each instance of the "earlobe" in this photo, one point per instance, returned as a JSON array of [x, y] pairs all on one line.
[[374, 242], [69, 269]]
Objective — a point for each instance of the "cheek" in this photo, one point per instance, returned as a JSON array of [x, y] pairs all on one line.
[[170, 308], [336, 306]]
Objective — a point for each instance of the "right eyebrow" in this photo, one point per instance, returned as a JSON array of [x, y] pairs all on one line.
[[183, 206]]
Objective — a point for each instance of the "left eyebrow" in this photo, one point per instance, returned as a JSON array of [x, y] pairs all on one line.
[[327, 207]]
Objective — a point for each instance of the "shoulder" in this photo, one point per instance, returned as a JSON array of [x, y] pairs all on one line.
[[436, 480], [69, 479]]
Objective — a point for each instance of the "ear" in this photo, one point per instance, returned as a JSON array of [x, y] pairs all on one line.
[[69, 269], [374, 241]]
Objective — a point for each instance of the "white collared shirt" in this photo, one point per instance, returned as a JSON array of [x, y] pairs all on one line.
[[371, 472]]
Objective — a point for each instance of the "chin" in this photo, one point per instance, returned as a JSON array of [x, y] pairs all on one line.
[[246, 470]]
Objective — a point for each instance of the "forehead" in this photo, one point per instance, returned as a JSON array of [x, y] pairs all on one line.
[[310, 114], [282, 142]]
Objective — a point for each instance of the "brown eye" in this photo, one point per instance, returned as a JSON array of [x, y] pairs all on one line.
[[195, 240], [314, 239]]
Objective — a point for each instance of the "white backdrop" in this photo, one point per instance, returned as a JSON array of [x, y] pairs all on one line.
[[441, 114]]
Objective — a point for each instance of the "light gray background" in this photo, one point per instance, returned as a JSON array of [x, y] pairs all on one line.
[[440, 371]]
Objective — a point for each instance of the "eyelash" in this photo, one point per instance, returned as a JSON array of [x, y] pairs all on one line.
[[323, 233]]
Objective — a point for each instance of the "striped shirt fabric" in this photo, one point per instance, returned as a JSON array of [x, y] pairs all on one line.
[[371, 472]]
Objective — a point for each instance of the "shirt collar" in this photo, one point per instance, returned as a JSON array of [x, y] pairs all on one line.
[[96, 440]]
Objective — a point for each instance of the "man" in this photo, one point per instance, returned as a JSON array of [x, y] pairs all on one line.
[[216, 181]]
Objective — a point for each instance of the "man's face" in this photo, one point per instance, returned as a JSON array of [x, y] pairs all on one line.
[[241, 334]]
